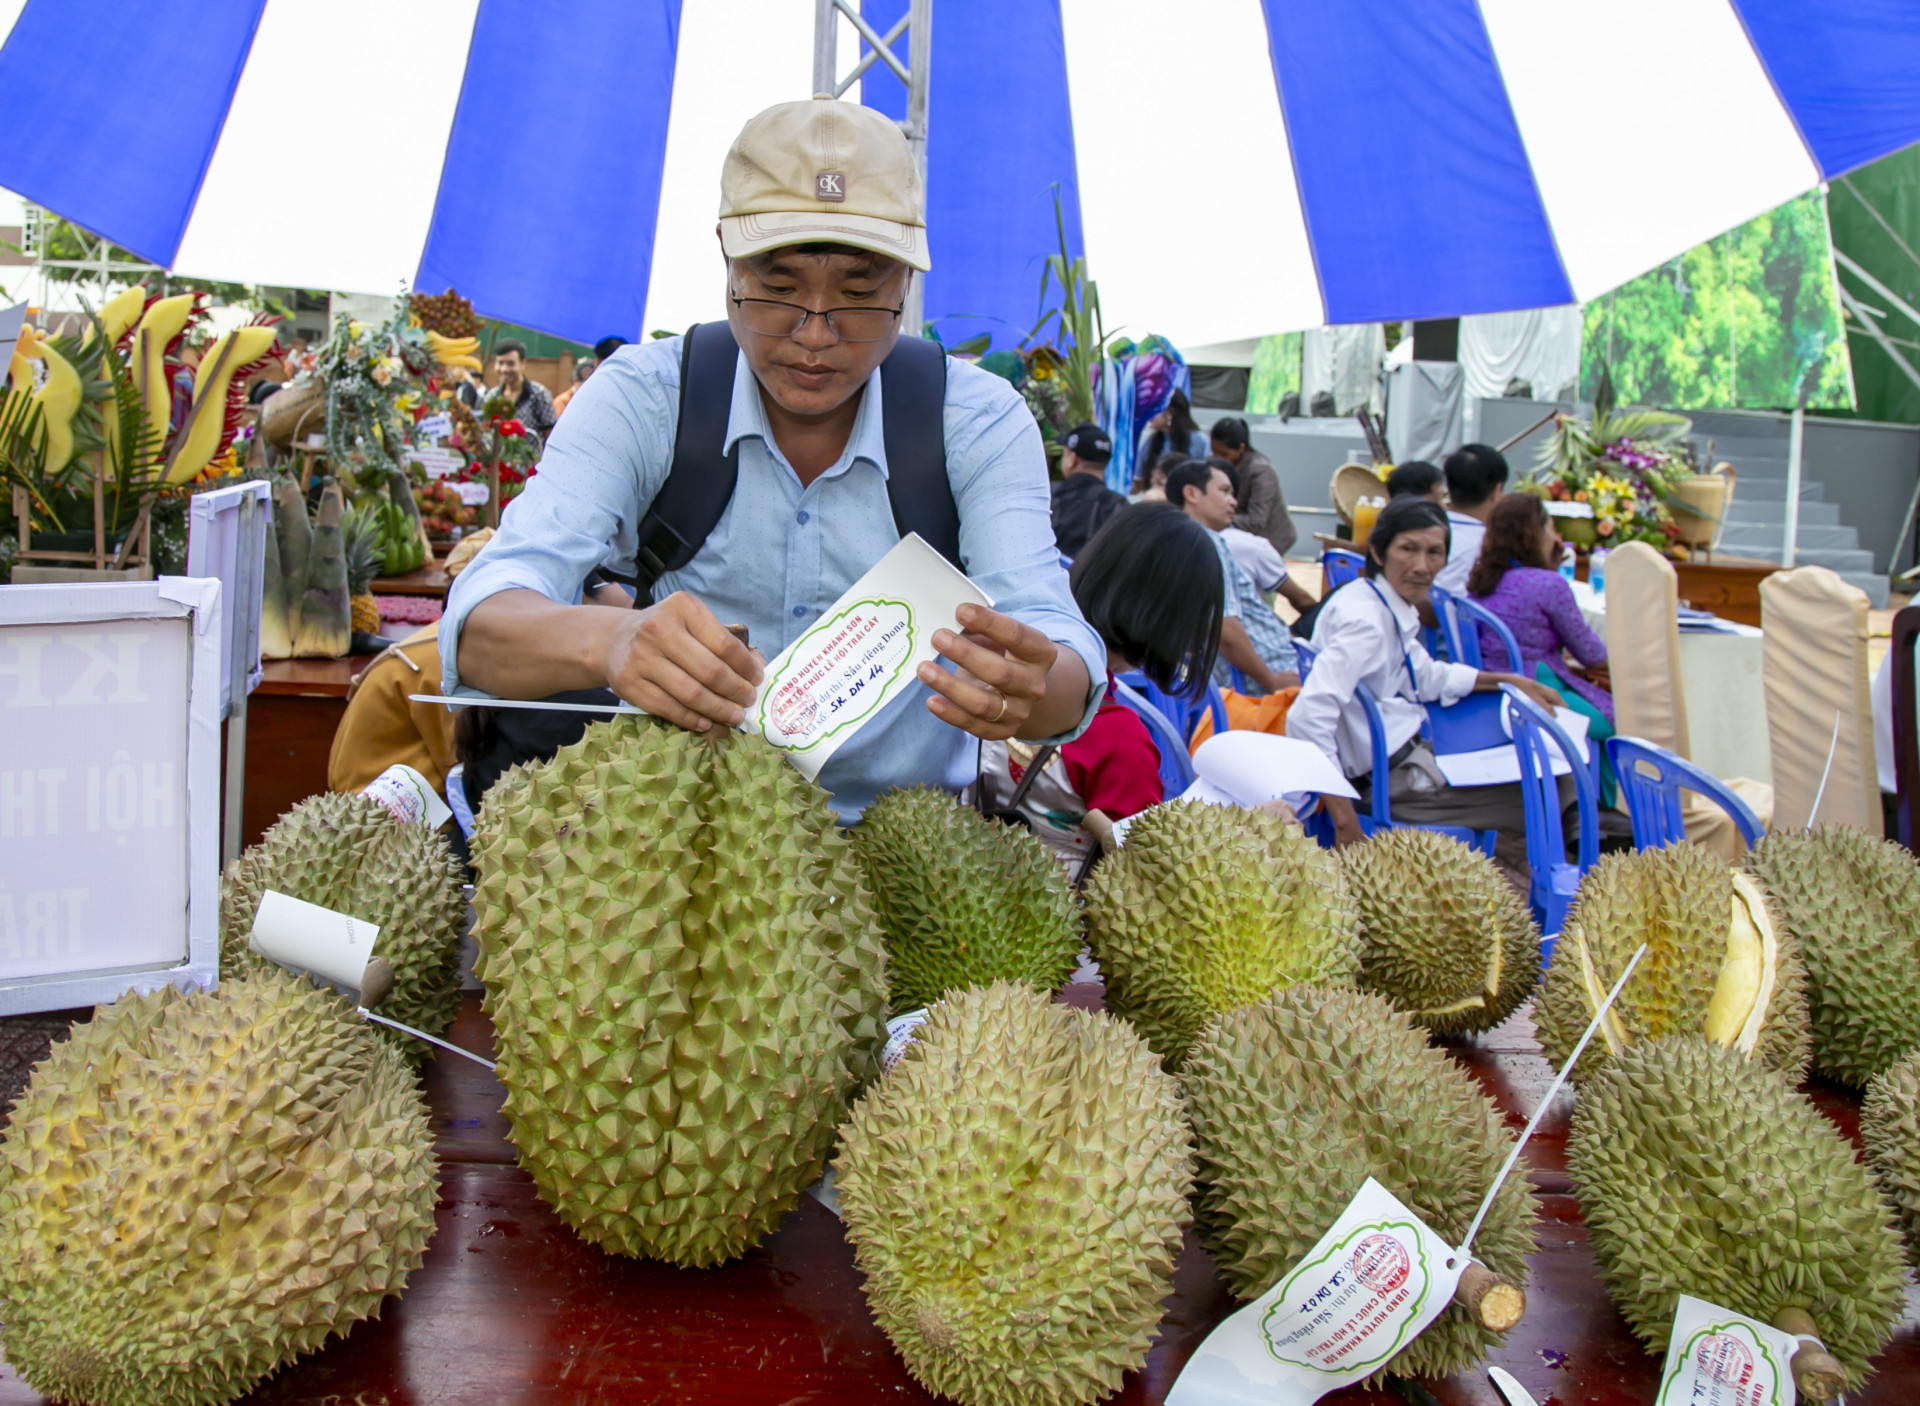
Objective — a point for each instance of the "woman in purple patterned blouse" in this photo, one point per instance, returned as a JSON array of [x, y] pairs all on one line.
[[1514, 579]]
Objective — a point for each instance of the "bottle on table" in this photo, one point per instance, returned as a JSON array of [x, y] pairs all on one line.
[[1566, 562], [1365, 512], [1597, 571]]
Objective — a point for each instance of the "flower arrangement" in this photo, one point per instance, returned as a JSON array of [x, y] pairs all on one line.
[[374, 374], [1622, 465]]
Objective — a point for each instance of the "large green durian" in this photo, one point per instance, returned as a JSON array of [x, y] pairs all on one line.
[[685, 979], [963, 900], [1719, 963], [1704, 1173], [1852, 903], [1442, 935], [350, 854], [1296, 1101], [196, 1189], [1015, 1191], [1209, 907], [1890, 1128]]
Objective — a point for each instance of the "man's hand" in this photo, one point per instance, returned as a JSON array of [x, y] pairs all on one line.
[[1537, 691], [1001, 678], [1346, 821], [678, 662]]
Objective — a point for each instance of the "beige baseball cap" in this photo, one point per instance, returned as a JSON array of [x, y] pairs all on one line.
[[822, 171]]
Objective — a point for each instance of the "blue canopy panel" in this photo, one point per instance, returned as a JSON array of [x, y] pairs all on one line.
[[551, 182], [82, 134], [1400, 127], [1849, 74], [1000, 141]]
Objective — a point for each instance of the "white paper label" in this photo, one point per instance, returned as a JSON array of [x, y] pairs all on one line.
[[861, 655], [305, 937], [472, 494], [1716, 1357], [899, 1035], [1367, 1289], [408, 796], [434, 426], [437, 461]]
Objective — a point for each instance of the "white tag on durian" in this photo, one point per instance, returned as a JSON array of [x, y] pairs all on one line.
[[1716, 1357]]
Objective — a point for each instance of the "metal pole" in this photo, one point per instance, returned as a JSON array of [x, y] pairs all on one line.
[[919, 59], [826, 56], [1794, 435]]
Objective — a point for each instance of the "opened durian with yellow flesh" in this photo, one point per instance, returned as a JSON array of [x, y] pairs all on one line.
[[1719, 963]]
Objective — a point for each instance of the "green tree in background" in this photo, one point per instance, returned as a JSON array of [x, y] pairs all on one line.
[[1741, 321], [1276, 371], [1876, 222]]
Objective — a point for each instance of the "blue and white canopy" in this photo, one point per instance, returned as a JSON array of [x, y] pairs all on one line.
[[1230, 167]]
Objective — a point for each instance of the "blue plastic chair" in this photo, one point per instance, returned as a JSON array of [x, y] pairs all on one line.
[[1651, 779], [1554, 881], [1341, 566], [1457, 616], [1176, 767], [1183, 713], [1305, 654]]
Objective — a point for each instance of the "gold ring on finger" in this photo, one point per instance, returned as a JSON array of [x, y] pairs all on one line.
[[1003, 710]]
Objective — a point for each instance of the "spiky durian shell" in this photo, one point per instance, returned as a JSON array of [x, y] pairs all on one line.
[[1015, 1192], [685, 979], [1209, 907], [962, 900], [1852, 903], [1442, 935], [1296, 1101], [1704, 1173], [196, 1189], [350, 854], [1890, 1128], [1677, 901]]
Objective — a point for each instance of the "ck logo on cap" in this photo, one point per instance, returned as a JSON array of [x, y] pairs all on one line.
[[829, 185]]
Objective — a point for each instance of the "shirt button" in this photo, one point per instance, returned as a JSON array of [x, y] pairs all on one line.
[[803, 516], [799, 610]]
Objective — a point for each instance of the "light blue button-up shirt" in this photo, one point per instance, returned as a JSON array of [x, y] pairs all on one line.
[[781, 554]]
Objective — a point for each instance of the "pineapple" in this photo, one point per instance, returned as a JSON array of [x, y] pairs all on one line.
[[362, 546]]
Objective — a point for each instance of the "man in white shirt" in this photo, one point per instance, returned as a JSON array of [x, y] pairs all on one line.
[[1476, 480]]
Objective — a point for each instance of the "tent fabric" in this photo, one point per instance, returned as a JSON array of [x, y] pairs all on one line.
[[1541, 347], [1414, 160]]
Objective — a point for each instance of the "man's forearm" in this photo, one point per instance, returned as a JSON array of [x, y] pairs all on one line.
[[1065, 702], [1240, 653], [519, 644]]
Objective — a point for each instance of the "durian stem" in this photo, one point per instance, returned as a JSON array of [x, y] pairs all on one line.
[[1096, 824], [1816, 1373], [1495, 1302]]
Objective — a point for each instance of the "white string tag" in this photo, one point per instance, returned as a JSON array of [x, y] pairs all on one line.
[[422, 1035]]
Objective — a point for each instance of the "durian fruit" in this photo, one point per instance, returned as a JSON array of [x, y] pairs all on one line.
[[350, 854], [196, 1189], [1297, 1100], [1015, 1191], [1719, 963], [1209, 907], [1890, 1129], [962, 900], [686, 982], [1442, 935], [1704, 1173], [1852, 903]]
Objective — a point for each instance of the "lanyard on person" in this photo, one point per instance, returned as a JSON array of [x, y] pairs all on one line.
[[1393, 622]]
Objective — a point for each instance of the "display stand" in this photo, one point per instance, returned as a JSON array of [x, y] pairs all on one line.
[[227, 539], [41, 566], [109, 790]]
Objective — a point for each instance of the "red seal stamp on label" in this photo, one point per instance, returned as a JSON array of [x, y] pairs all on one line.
[[1381, 1263]]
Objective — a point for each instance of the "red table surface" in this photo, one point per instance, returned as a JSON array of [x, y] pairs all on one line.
[[511, 1309]]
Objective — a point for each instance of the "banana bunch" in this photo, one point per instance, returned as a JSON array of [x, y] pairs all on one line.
[[454, 351]]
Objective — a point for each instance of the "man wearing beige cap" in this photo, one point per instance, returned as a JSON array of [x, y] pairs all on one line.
[[755, 485]]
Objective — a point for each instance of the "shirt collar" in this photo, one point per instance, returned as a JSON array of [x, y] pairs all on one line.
[[1402, 611], [1463, 520], [747, 418]]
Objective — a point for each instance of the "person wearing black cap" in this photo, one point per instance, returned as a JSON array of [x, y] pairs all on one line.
[[1082, 502]]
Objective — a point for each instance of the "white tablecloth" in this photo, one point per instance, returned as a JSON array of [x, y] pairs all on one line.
[[1726, 707]]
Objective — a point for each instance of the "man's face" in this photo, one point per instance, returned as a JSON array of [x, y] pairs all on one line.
[[507, 367], [813, 372], [1215, 507]]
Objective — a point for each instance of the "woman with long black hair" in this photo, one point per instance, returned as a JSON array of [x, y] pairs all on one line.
[[1172, 431], [1149, 583]]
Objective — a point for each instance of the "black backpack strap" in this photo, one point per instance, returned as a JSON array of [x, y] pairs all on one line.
[[700, 482], [913, 397]]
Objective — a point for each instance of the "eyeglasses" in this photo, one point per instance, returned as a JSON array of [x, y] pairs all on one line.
[[775, 319]]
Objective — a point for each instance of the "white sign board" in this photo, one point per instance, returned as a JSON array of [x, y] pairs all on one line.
[[109, 789]]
